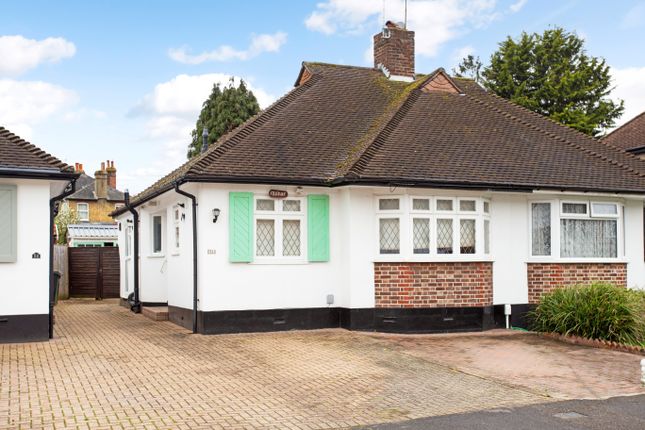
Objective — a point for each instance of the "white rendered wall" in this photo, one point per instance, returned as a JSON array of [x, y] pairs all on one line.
[[634, 247], [509, 232], [349, 274], [24, 285], [236, 286]]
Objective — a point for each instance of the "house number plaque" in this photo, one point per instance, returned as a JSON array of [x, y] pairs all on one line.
[[278, 194]]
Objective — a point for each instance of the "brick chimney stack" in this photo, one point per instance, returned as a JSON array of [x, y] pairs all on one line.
[[394, 52], [101, 182], [111, 172], [78, 168]]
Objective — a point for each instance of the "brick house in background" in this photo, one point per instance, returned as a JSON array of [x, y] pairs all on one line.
[[96, 196], [95, 199], [376, 198], [629, 136]]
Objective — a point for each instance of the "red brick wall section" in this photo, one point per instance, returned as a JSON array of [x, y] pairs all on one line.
[[545, 277], [433, 285]]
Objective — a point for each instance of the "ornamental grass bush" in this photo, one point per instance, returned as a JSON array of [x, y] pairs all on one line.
[[596, 311]]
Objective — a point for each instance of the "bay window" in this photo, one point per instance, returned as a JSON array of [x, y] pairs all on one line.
[[586, 230], [278, 228], [423, 227]]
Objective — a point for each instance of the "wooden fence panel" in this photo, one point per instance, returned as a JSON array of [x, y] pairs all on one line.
[[61, 265]]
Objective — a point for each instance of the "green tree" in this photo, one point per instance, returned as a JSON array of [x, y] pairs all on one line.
[[470, 67], [225, 109], [552, 74], [65, 217]]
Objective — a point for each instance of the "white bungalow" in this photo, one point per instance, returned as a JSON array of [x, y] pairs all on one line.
[[380, 199]]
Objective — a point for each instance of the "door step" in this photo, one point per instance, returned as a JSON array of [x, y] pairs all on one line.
[[156, 313]]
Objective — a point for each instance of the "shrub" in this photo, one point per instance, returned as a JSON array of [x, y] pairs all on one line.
[[597, 311]]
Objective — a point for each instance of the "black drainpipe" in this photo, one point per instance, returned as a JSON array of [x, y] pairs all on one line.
[[194, 204], [53, 211], [135, 306]]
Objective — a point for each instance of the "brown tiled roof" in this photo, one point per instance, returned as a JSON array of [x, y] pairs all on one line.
[[346, 124], [86, 190], [18, 154], [630, 136]]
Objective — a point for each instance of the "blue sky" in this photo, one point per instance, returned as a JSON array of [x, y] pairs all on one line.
[[124, 80]]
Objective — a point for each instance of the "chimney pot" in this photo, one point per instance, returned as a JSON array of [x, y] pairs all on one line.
[[111, 174]]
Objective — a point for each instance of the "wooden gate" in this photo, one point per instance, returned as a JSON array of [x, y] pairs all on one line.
[[94, 272]]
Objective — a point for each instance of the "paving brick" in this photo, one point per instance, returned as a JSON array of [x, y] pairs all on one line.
[[109, 368]]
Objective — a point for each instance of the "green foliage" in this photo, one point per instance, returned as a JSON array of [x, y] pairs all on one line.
[[597, 311], [225, 109], [65, 217], [551, 74], [470, 67]]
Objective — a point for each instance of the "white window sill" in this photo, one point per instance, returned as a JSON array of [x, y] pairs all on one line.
[[548, 260], [278, 262], [433, 259], [175, 254], [156, 256]]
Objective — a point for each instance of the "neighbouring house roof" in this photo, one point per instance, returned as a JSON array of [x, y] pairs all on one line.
[[630, 136], [21, 158], [92, 231], [351, 125], [86, 190]]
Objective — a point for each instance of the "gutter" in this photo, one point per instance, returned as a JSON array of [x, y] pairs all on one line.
[[194, 207], [53, 211], [11, 172], [135, 306], [374, 182]]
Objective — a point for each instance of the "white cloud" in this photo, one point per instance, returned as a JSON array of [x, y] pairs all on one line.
[[259, 44], [634, 18], [25, 103], [462, 53], [170, 112], [630, 86], [517, 6], [434, 21], [20, 54]]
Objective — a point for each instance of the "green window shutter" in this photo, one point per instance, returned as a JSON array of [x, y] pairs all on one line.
[[240, 227], [318, 227], [8, 224]]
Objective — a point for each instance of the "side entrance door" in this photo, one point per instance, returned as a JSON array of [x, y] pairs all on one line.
[[94, 272]]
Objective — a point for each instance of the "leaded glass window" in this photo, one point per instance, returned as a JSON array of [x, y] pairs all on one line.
[[265, 205], [388, 204], [444, 205], [444, 236], [467, 236], [389, 236], [265, 238], [421, 204], [421, 235], [291, 205], [541, 229], [467, 205], [291, 238]]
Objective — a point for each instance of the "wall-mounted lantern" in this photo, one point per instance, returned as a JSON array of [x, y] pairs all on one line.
[[216, 213]]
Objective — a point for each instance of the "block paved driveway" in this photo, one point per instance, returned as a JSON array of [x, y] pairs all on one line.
[[109, 368]]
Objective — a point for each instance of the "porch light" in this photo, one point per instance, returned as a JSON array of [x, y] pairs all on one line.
[[216, 213]]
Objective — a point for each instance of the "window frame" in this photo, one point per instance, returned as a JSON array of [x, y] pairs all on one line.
[[407, 214], [78, 211], [176, 228], [163, 244], [12, 256], [557, 216], [279, 215], [389, 214]]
